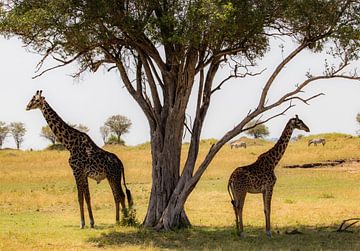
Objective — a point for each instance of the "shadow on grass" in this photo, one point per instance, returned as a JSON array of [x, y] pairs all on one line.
[[225, 238]]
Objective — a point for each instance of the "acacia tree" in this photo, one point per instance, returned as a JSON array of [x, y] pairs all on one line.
[[104, 131], [118, 125], [80, 127], [4, 130], [258, 130], [164, 50], [48, 134], [17, 130]]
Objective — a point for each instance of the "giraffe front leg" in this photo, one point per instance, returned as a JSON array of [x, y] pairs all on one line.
[[88, 202], [81, 204], [267, 194]]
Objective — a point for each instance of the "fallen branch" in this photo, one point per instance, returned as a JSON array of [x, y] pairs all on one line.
[[324, 163], [343, 228]]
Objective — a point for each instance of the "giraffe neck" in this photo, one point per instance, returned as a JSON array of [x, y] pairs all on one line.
[[63, 132], [274, 154]]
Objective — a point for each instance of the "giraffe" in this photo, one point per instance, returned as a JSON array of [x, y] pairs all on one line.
[[86, 160], [317, 141], [259, 177]]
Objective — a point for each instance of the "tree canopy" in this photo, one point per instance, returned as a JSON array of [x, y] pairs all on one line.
[[118, 124], [17, 130], [257, 130], [165, 50]]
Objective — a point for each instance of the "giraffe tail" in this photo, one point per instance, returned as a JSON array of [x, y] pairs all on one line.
[[231, 195], [128, 193]]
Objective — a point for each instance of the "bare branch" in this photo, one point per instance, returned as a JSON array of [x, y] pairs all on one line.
[[151, 81], [63, 63], [341, 229], [276, 72], [235, 75], [304, 100], [260, 122]]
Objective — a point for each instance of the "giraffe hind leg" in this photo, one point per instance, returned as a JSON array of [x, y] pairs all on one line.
[[119, 197], [238, 205]]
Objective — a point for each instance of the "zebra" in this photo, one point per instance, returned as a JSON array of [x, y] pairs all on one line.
[[317, 141], [238, 144]]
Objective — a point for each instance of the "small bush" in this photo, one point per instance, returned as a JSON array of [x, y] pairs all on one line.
[[57, 147], [129, 218]]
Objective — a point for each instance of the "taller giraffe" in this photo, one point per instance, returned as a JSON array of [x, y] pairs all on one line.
[[86, 160], [259, 177]]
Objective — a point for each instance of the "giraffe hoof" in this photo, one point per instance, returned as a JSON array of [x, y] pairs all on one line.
[[268, 234], [82, 224], [92, 223]]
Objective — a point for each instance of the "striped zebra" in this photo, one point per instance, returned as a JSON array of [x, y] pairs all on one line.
[[317, 141], [238, 144]]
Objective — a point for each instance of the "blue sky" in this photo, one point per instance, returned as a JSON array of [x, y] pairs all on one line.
[[96, 96]]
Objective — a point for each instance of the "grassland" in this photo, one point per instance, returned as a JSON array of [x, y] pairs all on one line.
[[39, 210]]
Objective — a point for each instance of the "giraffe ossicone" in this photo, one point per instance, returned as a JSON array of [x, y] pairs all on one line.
[[86, 160]]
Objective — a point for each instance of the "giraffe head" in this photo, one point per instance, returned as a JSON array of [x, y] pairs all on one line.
[[299, 124], [36, 102]]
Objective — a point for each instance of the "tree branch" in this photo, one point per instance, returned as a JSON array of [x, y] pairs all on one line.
[[64, 62], [277, 71]]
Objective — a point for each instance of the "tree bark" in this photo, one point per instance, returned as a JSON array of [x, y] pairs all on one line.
[[166, 152]]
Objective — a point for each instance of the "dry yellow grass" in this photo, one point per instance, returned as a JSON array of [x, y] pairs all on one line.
[[39, 210]]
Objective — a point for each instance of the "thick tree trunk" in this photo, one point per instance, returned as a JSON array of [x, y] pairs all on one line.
[[166, 151]]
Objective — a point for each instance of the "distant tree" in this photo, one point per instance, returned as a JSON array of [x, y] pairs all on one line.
[[118, 125], [80, 127], [104, 131], [113, 139], [18, 130], [48, 134], [299, 137], [4, 130], [358, 120], [257, 130]]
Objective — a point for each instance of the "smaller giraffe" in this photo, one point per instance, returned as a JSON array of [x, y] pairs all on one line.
[[317, 141], [87, 160], [238, 144], [259, 177]]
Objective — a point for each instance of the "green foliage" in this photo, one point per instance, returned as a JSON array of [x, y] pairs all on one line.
[[258, 131], [129, 218], [56, 147], [113, 139]]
